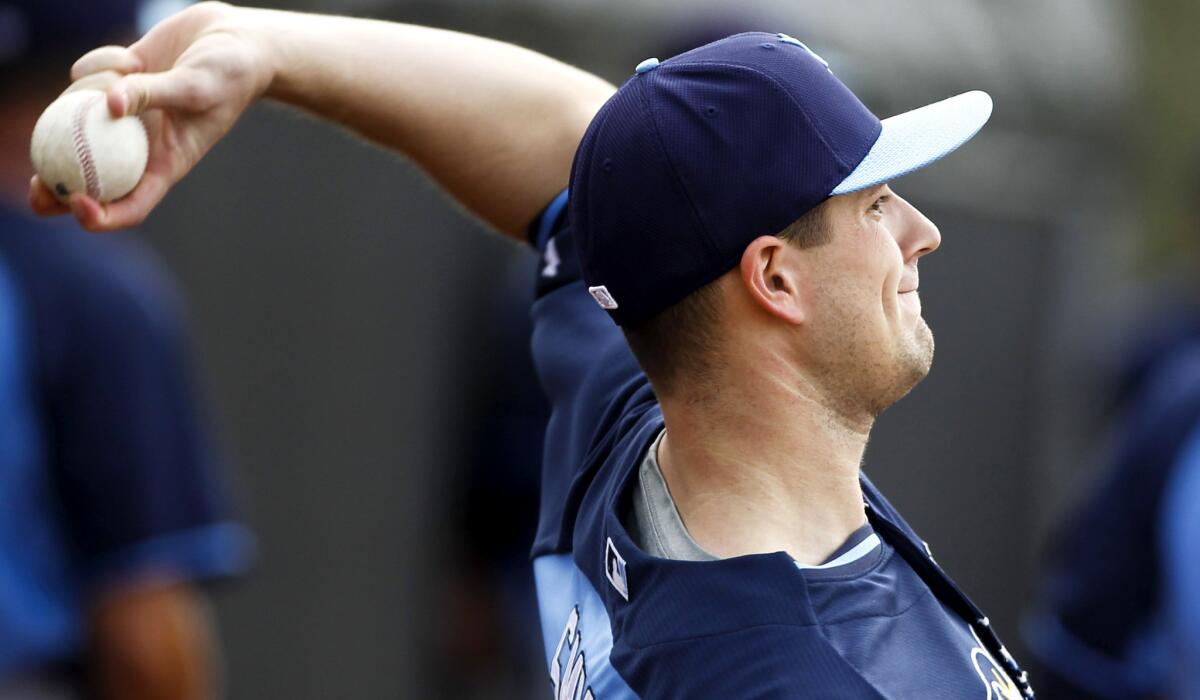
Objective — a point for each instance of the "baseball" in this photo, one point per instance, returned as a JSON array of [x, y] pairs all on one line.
[[78, 146]]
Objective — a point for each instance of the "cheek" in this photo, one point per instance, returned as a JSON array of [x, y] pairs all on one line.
[[854, 284], [872, 273], [873, 253], [847, 303]]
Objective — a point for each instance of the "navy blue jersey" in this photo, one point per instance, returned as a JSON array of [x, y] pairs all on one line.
[[105, 472], [619, 623]]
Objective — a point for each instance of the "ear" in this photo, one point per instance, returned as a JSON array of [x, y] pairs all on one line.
[[769, 275]]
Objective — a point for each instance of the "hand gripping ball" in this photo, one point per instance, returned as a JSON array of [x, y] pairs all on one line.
[[78, 146]]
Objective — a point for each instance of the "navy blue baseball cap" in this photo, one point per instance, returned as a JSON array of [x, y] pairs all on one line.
[[695, 157]]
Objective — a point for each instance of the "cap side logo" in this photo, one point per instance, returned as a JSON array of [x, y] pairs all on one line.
[[796, 42], [602, 297], [614, 567]]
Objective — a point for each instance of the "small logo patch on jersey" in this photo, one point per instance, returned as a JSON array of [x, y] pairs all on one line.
[[602, 297], [568, 670], [614, 566]]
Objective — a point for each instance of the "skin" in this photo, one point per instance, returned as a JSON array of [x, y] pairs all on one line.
[[814, 344], [764, 455], [459, 105], [152, 641]]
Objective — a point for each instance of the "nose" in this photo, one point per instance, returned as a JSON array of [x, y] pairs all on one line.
[[918, 236]]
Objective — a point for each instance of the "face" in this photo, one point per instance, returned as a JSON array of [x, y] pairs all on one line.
[[863, 329]]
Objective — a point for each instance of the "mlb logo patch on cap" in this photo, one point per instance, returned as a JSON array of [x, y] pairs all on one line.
[[602, 297]]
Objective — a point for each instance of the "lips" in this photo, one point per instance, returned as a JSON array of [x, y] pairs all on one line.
[[910, 300]]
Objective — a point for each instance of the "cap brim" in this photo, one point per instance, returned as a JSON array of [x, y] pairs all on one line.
[[912, 140]]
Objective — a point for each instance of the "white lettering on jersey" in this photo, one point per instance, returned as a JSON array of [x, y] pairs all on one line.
[[552, 260], [568, 673], [999, 686]]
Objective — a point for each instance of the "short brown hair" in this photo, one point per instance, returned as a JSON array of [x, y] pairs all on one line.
[[677, 343]]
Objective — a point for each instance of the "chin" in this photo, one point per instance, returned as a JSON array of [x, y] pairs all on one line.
[[913, 361], [922, 347]]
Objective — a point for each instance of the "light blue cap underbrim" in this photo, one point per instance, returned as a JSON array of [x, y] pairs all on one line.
[[912, 140]]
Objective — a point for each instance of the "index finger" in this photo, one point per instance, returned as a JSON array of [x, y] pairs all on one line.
[[117, 59]]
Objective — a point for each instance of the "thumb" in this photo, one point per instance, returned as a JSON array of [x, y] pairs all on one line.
[[181, 89]]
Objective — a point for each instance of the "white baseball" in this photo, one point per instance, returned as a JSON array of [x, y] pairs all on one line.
[[78, 146]]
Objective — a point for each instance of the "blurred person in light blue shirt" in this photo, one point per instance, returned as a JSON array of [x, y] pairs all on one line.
[[1181, 547]]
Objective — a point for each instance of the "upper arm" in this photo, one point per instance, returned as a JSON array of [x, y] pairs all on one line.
[[133, 465], [494, 124]]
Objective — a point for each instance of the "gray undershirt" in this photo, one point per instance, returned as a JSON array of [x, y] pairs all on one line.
[[655, 525]]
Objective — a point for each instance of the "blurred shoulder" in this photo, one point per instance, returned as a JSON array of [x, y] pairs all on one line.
[[66, 271]]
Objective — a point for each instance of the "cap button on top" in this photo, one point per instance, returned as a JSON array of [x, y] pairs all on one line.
[[646, 66]]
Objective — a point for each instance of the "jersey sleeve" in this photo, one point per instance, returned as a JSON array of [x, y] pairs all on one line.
[[134, 468], [1180, 545], [583, 364]]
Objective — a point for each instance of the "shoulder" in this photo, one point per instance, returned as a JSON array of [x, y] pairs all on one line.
[[86, 285]]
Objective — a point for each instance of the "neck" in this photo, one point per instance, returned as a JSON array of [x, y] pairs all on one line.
[[768, 464]]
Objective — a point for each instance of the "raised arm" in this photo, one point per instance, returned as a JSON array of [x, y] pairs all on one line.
[[494, 124]]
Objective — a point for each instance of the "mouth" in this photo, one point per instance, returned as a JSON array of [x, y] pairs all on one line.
[[910, 300]]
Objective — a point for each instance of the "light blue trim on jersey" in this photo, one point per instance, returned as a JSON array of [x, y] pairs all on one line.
[[561, 589], [914, 139], [205, 552], [858, 551], [549, 218], [1181, 566]]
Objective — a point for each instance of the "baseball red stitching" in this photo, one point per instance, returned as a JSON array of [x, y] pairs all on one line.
[[83, 150]]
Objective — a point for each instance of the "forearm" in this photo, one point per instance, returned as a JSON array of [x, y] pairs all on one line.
[[495, 124], [153, 642]]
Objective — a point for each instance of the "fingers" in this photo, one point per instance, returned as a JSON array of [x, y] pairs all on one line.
[[42, 201], [185, 89], [117, 59], [96, 81], [127, 212]]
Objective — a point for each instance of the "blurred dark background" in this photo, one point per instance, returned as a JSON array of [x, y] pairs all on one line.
[[356, 328]]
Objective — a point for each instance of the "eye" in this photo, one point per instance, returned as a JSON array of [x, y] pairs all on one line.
[[877, 206]]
